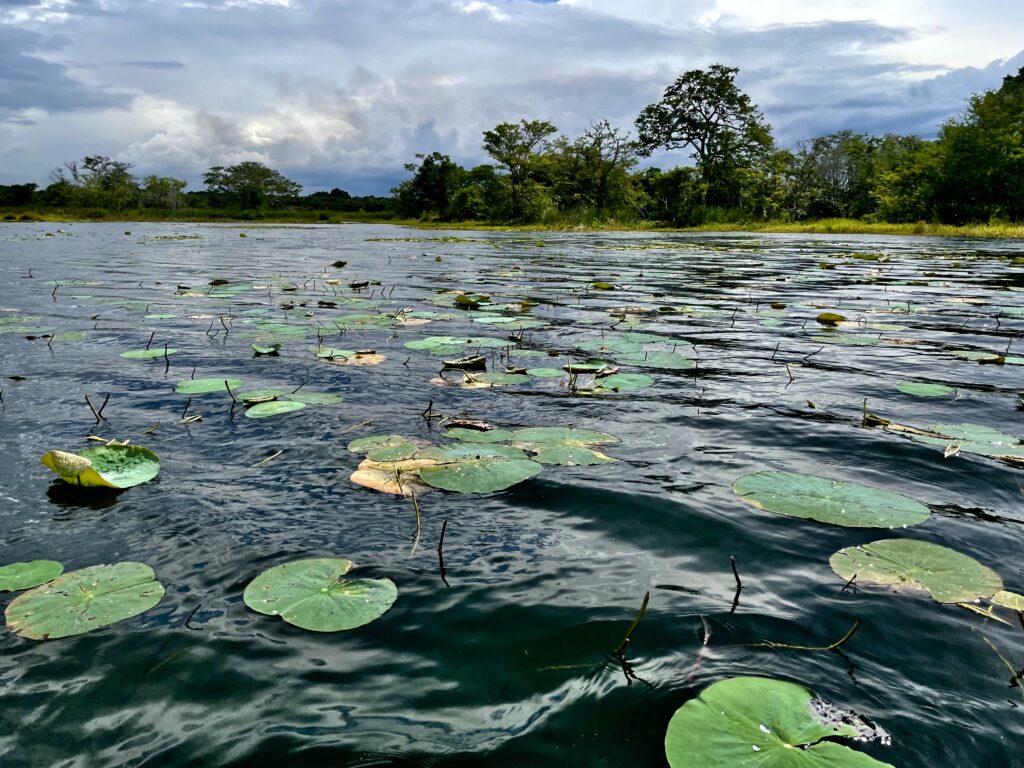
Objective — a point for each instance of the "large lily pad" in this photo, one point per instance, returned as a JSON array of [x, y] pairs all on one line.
[[108, 466], [765, 723], [203, 386], [18, 576], [84, 600], [476, 468], [829, 501], [908, 564], [398, 477], [923, 389], [312, 594], [273, 408]]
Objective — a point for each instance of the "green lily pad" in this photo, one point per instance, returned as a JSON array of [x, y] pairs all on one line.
[[624, 382], [836, 502], [311, 594], [611, 345], [260, 395], [974, 438], [398, 452], [907, 564], [479, 436], [84, 600], [919, 389], [474, 468], [545, 373], [148, 354], [273, 408], [266, 349], [18, 576], [667, 360], [107, 466], [313, 398], [1010, 600], [500, 379], [756, 721], [204, 386], [569, 455]]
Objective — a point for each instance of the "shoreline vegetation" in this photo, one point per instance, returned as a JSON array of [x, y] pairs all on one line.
[[831, 226], [966, 182]]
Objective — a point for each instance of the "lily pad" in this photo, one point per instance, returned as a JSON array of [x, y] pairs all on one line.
[[836, 502], [919, 389], [1010, 600], [313, 398], [18, 576], [566, 435], [108, 466], [148, 354], [667, 360], [311, 594], [273, 408], [479, 436], [84, 600], [266, 349], [397, 477], [501, 379], [204, 386], [545, 373], [569, 455], [624, 382], [477, 468], [365, 444], [260, 395], [907, 564], [756, 721]]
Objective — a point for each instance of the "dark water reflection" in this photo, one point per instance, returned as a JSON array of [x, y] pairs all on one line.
[[509, 665]]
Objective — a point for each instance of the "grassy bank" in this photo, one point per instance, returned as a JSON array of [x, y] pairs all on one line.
[[823, 226]]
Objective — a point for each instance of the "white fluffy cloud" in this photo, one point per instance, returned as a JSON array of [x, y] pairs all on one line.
[[343, 93]]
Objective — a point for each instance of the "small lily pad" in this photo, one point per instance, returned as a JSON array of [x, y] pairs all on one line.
[[108, 466], [311, 594], [266, 349], [545, 373], [273, 408], [84, 600], [18, 576], [313, 398], [204, 386], [836, 502], [920, 389], [148, 354], [756, 721], [908, 564], [624, 382]]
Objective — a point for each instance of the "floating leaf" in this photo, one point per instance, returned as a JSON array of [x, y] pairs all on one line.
[[500, 379], [545, 373], [569, 455], [311, 594], [476, 468], [364, 444], [667, 360], [830, 318], [919, 389], [203, 386], [266, 349], [1010, 600], [397, 477], [907, 564], [260, 395], [567, 435], [18, 576], [313, 398], [398, 452], [624, 382], [148, 354], [84, 600], [836, 502], [480, 436], [107, 466], [273, 408], [756, 721]]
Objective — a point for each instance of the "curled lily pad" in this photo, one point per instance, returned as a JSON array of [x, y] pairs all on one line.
[[148, 354], [108, 466], [907, 564], [311, 594], [476, 468], [273, 408], [920, 389], [398, 477], [203, 386], [756, 721], [836, 502], [17, 576], [84, 600], [266, 349]]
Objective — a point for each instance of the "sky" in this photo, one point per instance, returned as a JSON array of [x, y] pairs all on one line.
[[343, 93]]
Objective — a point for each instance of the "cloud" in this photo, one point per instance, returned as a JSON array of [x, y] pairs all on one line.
[[344, 92]]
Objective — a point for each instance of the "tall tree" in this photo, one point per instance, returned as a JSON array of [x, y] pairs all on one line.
[[514, 148], [705, 111], [435, 180], [250, 185]]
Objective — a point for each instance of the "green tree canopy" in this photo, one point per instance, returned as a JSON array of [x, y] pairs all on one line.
[[250, 185], [514, 147]]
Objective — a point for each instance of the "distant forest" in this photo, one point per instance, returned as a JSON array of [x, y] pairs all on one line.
[[972, 172]]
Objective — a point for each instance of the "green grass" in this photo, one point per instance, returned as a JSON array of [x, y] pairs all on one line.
[[824, 226]]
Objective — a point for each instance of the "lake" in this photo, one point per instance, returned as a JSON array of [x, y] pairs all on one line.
[[503, 650]]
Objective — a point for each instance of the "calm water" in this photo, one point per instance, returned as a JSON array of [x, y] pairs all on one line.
[[509, 663]]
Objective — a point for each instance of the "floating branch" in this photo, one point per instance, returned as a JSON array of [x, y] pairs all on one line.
[[267, 460], [621, 648], [832, 647], [440, 554]]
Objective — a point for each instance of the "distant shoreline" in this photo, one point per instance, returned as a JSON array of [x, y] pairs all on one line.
[[820, 227]]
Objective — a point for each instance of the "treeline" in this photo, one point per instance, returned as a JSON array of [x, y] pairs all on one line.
[[972, 172], [99, 186]]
